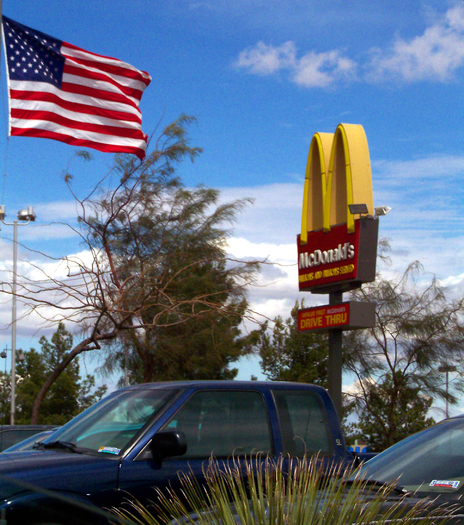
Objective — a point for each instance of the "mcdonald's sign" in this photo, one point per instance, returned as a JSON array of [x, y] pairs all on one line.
[[337, 251]]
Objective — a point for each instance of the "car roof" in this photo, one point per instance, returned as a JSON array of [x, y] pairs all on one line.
[[224, 384]]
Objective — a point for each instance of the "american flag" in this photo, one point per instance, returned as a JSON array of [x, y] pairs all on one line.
[[62, 92]]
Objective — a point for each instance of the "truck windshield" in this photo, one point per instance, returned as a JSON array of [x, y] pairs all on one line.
[[110, 425]]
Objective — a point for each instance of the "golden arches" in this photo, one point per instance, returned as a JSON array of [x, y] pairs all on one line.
[[338, 173]]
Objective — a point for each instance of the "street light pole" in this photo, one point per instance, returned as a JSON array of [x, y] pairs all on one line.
[[447, 369], [26, 215], [13, 325]]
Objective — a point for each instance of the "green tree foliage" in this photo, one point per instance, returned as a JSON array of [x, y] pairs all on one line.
[[418, 328], [290, 355], [68, 395], [199, 300], [405, 416]]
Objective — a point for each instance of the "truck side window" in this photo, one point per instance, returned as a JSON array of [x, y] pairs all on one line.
[[223, 424], [303, 422]]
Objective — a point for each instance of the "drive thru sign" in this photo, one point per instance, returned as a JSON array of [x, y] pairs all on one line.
[[347, 316]]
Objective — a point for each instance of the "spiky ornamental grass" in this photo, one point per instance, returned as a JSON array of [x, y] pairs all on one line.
[[283, 492]]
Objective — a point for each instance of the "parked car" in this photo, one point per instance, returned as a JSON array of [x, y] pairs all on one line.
[[144, 435], [29, 442], [12, 434], [429, 464]]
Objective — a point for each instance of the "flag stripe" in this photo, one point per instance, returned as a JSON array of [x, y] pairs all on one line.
[[60, 91], [99, 127], [102, 80], [77, 86], [74, 140], [30, 99], [81, 134], [34, 106], [111, 66], [79, 97]]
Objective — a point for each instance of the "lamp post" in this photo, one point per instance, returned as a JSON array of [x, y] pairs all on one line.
[[446, 369], [26, 216]]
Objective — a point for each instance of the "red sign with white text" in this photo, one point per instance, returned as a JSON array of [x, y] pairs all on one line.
[[346, 316], [324, 317], [338, 259]]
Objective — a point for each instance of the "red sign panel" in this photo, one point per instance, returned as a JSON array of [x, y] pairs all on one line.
[[323, 317], [337, 259], [345, 316]]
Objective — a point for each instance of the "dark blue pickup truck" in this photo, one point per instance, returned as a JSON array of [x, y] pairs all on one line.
[[142, 436]]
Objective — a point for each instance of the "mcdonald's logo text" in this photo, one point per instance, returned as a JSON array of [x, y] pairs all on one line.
[[318, 257]]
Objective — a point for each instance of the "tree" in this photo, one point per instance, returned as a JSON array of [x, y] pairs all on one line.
[[392, 423], [418, 327], [68, 395], [5, 403], [188, 229], [123, 284], [290, 355]]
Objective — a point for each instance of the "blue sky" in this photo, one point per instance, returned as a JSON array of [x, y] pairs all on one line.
[[262, 78]]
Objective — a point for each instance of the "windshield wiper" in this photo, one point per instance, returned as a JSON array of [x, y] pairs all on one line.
[[59, 444], [376, 483]]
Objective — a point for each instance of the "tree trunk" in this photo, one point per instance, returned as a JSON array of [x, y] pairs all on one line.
[[83, 346]]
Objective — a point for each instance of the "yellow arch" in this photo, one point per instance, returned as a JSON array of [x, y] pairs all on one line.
[[348, 179], [315, 185]]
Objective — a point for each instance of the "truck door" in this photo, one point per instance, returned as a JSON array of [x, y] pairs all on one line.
[[229, 425]]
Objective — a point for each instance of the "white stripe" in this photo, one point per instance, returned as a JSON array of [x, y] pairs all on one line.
[[40, 105], [87, 55], [41, 87], [96, 84], [78, 134], [123, 81]]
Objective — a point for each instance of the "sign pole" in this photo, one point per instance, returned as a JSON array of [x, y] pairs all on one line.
[[335, 358], [337, 252]]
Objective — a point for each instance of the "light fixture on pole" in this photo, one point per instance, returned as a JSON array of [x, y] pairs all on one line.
[[26, 215], [446, 369], [381, 210], [362, 209], [358, 209]]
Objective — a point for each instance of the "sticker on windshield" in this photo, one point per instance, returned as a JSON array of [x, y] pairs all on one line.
[[444, 484], [109, 450]]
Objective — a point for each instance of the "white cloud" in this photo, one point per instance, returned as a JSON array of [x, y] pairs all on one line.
[[435, 55], [311, 70], [265, 59]]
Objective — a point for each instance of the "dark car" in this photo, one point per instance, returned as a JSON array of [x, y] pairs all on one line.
[[12, 434], [29, 442], [429, 464], [142, 436]]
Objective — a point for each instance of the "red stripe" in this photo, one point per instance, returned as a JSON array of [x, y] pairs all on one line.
[[107, 148], [109, 68], [86, 73], [72, 46], [26, 114], [74, 106], [98, 93]]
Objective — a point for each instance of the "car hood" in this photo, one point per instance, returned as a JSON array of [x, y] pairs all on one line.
[[56, 470]]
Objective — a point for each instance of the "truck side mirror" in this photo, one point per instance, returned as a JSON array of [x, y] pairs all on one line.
[[168, 443]]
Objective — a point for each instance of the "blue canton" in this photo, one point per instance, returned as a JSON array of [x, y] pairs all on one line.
[[32, 55]]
